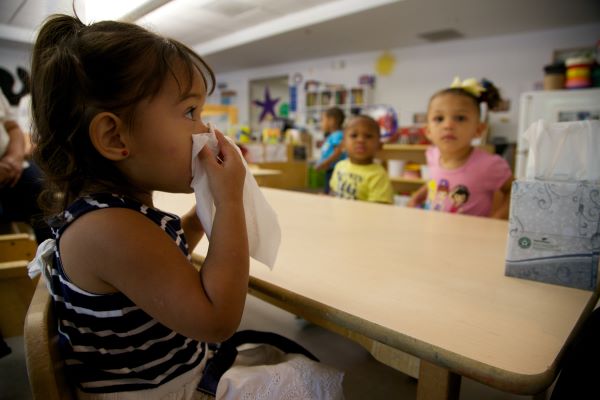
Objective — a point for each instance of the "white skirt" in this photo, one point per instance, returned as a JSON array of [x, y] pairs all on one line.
[[181, 388]]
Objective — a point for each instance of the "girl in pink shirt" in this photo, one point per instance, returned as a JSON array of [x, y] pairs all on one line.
[[464, 179]]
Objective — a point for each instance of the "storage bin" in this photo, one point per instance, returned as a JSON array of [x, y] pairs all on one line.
[[554, 78]]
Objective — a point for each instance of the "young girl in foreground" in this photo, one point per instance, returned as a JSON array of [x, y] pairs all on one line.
[[115, 107], [464, 179]]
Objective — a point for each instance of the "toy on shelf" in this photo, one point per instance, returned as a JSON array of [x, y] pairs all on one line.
[[387, 119], [414, 134], [271, 135], [244, 134], [412, 171]]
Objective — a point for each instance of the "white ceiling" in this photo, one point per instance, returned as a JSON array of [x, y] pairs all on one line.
[[238, 34]]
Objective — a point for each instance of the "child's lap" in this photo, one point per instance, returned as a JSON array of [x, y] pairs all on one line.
[[181, 388]]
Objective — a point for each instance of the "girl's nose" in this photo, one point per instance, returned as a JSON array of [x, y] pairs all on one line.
[[203, 127], [448, 123]]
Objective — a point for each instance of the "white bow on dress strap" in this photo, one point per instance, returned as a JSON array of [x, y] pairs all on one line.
[[42, 262]]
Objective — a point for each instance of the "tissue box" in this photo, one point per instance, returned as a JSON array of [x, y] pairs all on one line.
[[554, 232]]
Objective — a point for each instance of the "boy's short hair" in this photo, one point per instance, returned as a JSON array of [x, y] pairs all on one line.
[[337, 115], [370, 121]]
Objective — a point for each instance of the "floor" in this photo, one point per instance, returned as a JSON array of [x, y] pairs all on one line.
[[364, 377]]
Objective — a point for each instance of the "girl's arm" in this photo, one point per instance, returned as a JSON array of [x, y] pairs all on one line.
[[117, 249], [192, 227], [501, 204], [418, 197]]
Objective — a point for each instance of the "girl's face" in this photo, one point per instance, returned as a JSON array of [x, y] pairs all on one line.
[[361, 142], [453, 122], [161, 140]]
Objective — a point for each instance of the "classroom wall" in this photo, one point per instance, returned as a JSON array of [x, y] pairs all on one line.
[[513, 62]]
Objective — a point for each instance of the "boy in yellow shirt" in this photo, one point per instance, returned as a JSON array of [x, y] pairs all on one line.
[[357, 177]]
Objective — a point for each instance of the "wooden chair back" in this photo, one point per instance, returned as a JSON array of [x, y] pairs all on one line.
[[17, 248], [45, 367]]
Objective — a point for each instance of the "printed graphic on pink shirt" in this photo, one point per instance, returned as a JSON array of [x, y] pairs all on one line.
[[442, 198], [468, 189]]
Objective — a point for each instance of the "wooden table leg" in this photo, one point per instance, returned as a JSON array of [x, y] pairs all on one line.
[[436, 383]]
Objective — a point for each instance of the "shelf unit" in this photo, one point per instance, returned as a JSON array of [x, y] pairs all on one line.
[[407, 152], [222, 116], [405, 185], [350, 100]]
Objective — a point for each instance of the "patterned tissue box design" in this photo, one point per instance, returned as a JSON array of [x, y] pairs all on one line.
[[554, 232]]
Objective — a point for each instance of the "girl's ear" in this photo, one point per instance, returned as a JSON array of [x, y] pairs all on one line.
[[107, 136], [427, 133], [481, 128]]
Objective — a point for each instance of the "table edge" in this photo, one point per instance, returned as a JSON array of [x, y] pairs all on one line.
[[517, 383]]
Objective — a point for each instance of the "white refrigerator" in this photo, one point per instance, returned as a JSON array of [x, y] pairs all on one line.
[[553, 106]]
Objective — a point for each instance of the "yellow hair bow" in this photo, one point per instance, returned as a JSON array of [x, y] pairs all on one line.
[[470, 85]]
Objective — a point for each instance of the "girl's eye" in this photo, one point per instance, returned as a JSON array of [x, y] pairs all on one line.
[[438, 118], [461, 118], [189, 113]]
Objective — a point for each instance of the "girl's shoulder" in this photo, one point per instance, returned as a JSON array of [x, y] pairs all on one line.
[[482, 156]]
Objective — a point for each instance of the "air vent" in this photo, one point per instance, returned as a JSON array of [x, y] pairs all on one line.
[[229, 8], [441, 35]]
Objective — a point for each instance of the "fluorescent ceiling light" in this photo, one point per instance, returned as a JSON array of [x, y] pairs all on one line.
[[16, 34], [101, 10], [300, 19]]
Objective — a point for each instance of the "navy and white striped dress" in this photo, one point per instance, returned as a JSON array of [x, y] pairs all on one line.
[[107, 342]]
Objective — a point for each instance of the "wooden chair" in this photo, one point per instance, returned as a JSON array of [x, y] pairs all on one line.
[[17, 248], [17, 242], [44, 364]]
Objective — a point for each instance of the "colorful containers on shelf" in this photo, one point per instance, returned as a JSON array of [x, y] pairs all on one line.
[[579, 73]]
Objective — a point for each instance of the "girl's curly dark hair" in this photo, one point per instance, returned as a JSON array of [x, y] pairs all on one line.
[[81, 70]]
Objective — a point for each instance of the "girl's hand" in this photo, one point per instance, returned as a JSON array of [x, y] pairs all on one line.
[[412, 203], [418, 197], [225, 176]]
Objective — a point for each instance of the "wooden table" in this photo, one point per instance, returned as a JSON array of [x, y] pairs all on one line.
[[267, 177], [429, 284]]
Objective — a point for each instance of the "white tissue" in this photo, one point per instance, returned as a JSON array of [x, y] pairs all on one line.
[[563, 151], [264, 233]]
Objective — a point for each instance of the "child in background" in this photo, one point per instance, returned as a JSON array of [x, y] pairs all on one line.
[[464, 179], [358, 177], [20, 178], [332, 151], [133, 314]]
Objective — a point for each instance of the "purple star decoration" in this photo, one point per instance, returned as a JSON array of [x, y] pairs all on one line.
[[268, 105]]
